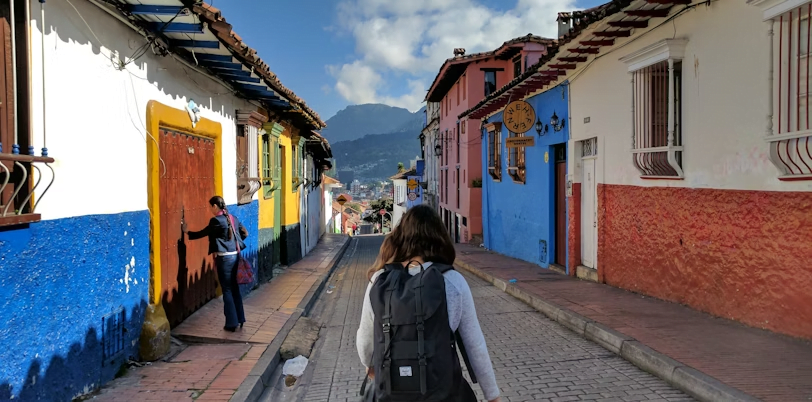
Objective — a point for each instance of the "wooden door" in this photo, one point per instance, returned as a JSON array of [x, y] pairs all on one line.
[[188, 276], [561, 206], [6, 108]]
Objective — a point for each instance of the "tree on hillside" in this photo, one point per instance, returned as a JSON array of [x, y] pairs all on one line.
[[400, 167], [376, 206]]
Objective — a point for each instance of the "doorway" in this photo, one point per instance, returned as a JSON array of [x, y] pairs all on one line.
[[188, 275], [457, 228], [561, 204], [589, 195]]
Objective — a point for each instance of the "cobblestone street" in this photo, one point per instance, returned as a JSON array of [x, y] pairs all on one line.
[[535, 359]]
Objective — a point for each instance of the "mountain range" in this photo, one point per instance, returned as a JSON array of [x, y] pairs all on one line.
[[368, 141]]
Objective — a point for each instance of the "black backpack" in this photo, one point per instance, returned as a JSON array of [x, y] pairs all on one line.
[[415, 357]]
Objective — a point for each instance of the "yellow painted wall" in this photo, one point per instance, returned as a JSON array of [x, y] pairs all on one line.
[[290, 198]]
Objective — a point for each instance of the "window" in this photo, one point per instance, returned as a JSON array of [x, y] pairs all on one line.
[[490, 82], [445, 149], [791, 89], [458, 91], [464, 87], [494, 150], [271, 159], [445, 183], [458, 187], [517, 66], [249, 125], [18, 182], [657, 112], [457, 136], [516, 164]]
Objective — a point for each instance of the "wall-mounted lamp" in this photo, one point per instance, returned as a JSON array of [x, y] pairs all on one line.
[[540, 127], [438, 150], [554, 122]]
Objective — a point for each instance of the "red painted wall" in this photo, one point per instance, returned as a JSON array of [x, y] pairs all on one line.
[[743, 255], [574, 229]]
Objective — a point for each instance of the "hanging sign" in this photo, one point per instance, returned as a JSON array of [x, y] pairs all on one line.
[[519, 116], [520, 142]]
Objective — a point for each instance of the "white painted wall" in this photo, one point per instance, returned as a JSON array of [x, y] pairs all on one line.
[[724, 105], [96, 114]]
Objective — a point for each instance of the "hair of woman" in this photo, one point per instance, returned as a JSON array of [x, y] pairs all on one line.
[[221, 203], [420, 233]]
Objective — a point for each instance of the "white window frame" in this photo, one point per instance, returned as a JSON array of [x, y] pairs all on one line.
[[670, 51]]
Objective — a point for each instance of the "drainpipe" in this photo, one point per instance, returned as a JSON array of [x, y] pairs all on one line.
[[15, 147], [44, 131], [770, 81]]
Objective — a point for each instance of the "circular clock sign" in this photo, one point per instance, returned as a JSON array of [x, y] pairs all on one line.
[[519, 116]]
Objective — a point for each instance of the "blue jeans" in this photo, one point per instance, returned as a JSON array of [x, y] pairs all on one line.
[[232, 299]]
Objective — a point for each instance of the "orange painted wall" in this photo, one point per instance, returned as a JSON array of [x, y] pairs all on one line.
[[743, 255]]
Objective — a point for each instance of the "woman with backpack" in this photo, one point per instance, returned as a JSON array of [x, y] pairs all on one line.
[[417, 311], [221, 231]]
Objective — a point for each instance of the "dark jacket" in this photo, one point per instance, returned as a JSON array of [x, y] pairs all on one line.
[[217, 232]]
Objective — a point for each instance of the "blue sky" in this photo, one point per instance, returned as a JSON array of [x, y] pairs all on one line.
[[334, 53]]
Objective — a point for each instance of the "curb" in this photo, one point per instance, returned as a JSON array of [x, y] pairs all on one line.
[[684, 377], [254, 385]]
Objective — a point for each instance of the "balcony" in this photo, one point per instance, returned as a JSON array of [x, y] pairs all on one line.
[[17, 202]]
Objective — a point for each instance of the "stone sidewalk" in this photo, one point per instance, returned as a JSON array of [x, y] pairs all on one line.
[[217, 362], [717, 359]]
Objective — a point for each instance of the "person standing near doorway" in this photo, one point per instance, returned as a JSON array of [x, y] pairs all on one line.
[[223, 236]]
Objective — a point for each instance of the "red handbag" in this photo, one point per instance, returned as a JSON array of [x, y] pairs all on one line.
[[245, 273]]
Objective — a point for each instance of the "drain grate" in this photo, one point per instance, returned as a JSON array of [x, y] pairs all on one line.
[[113, 336], [543, 251]]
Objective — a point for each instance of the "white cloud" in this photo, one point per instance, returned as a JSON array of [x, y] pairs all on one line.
[[410, 40]]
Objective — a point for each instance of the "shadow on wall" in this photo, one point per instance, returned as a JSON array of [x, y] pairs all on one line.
[[194, 290], [142, 76], [86, 366], [269, 254], [291, 244], [74, 293]]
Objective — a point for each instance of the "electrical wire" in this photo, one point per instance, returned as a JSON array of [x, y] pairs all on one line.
[[666, 21]]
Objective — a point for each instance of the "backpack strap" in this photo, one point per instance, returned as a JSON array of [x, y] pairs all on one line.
[[387, 335], [421, 347], [461, 346]]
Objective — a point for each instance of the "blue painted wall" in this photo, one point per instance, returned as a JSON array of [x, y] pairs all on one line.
[[248, 214], [516, 217], [58, 279]]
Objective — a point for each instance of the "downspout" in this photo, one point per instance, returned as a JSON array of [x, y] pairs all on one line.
[[770, 80], [15, 147], [44, 130]]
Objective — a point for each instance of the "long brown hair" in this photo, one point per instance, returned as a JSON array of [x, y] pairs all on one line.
[[420, 233]]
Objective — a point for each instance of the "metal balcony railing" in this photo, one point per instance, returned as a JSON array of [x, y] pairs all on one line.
[[17, 203]]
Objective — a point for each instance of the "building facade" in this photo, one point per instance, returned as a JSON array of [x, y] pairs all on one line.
[[109, 266], [461, 83], [431, 151], [524, 205], [688, 175]]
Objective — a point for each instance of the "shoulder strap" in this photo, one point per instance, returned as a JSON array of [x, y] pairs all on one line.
[[443, 268], [230, 223], [461, 346]]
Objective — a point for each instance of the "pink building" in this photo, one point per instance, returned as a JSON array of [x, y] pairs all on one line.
[[462, 82]]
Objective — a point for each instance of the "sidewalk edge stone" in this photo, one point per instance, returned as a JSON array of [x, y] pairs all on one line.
[[707, 388], [686, 378], [253, 386], [606, 337]]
